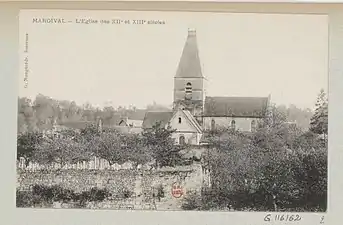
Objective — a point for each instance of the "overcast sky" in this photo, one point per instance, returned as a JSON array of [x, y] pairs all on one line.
[[241, 54]]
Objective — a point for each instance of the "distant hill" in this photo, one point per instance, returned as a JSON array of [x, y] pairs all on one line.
[[41, 113]]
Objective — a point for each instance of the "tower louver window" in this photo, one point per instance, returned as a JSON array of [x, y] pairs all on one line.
[[188, 90]]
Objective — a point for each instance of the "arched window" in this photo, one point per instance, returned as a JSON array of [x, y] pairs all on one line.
[[253, 125], [213, 124], [182, 140], [188, 90], [233, 124], [179, 119]]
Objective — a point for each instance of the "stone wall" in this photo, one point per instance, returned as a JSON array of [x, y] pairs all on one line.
[[143, 183]]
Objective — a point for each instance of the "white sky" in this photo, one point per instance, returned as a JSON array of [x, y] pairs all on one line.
[[242, 55]]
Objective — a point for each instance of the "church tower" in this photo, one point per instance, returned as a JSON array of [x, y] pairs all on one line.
[[189, 82]]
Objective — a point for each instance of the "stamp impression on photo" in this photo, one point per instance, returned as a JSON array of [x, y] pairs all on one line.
[[177, 191]]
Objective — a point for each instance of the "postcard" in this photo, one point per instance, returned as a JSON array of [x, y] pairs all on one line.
[[173, 111]]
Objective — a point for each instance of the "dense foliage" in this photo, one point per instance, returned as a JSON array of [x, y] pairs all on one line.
[[46, 195], [41, 113], [69, 147], [276, 168], [319, 121], [160, 141]]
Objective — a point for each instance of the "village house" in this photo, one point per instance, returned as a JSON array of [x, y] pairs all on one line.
[[130, 125], [187, 129]]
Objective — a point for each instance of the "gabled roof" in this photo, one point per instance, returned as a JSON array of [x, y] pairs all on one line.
[[151, 118], [189, 65], [236, 106], [192, 120]]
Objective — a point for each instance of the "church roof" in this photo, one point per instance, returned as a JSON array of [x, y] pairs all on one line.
[[151, 118], [236, 106], [189, 65], [193, 121]]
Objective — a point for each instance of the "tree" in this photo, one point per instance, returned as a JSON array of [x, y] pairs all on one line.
[[294, 114], [90, 131], [159, 140], [111, 147], [319, 121], [27, 120], [62, 148], [274, 118], [45, 111], [276, 168], [138, 151], [27, 145]]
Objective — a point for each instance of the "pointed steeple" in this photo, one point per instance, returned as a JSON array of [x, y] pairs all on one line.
[[189, 65]]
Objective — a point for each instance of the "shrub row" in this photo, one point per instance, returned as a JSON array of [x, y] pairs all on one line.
[[41, 195], [287, 183]]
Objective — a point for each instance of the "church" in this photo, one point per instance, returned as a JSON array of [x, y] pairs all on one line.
[[194, 113]]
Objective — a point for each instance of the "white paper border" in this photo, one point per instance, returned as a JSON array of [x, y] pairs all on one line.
[[8, 120]]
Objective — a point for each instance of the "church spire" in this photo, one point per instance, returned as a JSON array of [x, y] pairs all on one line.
[[189, 65], [189, 82]]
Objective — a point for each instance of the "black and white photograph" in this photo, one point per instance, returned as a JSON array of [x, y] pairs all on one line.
[[172, 111]]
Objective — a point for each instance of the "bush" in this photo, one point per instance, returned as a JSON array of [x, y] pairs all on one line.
[[192, 201], [53, 193], [93, 195], [160, 192], [44, 195], [270, 170], [24, 199]]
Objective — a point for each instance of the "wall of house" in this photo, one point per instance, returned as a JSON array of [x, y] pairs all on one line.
[[185, 128], [190, 138], [242, 124]]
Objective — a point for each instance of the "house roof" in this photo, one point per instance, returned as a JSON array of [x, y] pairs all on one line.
[[151, 118], [189, 65], [132, 123], [135, 123], [138, 114], [79, 125], [236, 106]]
